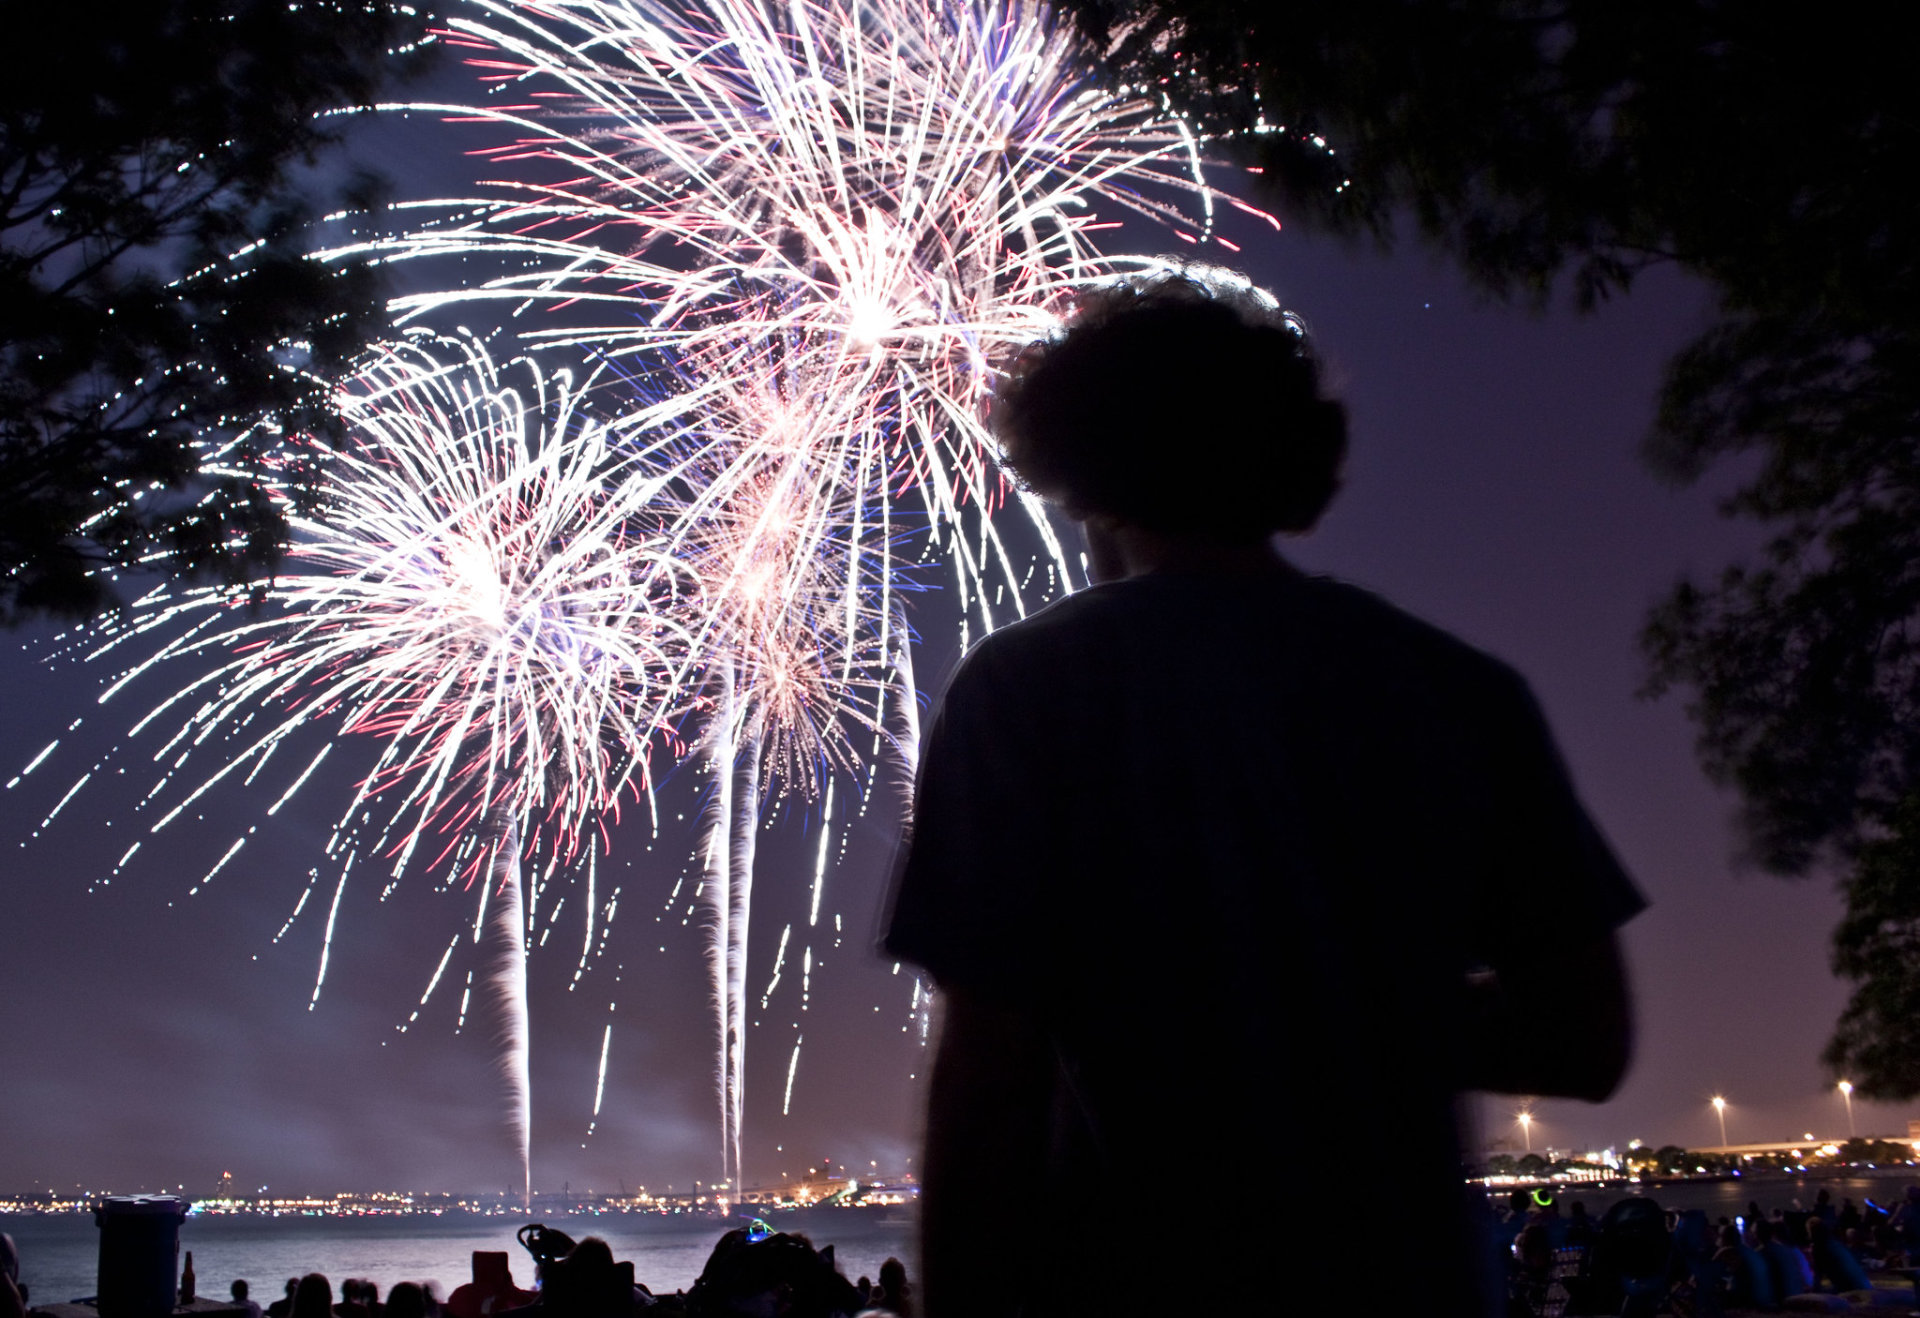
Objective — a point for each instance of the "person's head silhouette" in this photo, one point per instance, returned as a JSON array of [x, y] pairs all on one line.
[[1185, 403]]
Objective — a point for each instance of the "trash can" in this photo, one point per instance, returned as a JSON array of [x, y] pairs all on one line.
[[139, 1253]]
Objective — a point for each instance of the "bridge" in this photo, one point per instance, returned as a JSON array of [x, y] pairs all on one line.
[[1807, 1146]]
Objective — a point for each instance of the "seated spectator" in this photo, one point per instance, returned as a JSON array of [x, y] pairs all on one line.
[[1580, 1229], [894, 1294], [772, 1274], [239, 1292], [1823, 1206], [587, 1283], [1904, 1222], [1533, 1249], [1696, 1262], [1555, 1225], [1833, 1262], [1507, 1229], [283, 1306], [491, 1290], [1746, 1270], [407, 1299], [313, 1297], [1787, 1267], [1861, 1243], [13, 1302]]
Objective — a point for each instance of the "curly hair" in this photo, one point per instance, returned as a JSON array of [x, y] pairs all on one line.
[[1185, 401]]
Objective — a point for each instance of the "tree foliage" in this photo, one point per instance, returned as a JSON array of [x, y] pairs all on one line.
[[1880, 1153], [157, 180], [1878, 947], [1766, 148]]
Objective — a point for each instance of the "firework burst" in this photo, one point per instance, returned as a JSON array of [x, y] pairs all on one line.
[[911, 185], [824, 218], [475, 596]]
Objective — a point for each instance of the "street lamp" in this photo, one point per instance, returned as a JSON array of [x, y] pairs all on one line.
[[1846, 1092], [1720, 1110], [1526, 1128]]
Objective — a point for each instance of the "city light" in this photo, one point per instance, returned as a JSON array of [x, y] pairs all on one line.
[[1846, 1092], [1720, 1110]]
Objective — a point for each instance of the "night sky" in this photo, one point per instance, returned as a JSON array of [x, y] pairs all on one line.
[[156, 1040]]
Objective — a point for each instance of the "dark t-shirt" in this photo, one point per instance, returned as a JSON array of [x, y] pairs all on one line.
[[1239, 843]]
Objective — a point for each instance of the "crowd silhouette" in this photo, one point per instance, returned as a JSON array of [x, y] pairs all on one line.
[[1638, 1258], [752, 1271]]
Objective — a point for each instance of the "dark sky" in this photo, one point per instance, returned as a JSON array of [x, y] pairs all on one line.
[[156, 1040]]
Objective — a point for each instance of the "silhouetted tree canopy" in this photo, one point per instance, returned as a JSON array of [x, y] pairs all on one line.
[[155, 193], [1768, 148], [1881, 1152]]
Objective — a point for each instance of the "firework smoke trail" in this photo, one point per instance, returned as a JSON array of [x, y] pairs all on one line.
[[790, 634], [732, 819], [506, 941], [478, 601]]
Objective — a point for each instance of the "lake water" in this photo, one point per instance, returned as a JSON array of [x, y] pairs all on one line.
[[60, 1253]]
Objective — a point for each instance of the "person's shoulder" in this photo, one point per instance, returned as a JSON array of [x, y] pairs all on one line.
[[1374, 627], [1078, 618]]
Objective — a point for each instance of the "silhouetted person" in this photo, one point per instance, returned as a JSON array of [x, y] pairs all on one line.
[[587, 1283], [313, 1297], [894, 1294], [1580, 1230], [1751, 1286], [491, 1290], [1697, 1263], [1787, 1267], [1833, 1262], [1219, 866], [283, 1307], [239, 1292], [407, 1299], [13, 1303], [1902, 1227], [778, 1274]]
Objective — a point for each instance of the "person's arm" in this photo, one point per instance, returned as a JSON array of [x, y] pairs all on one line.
[[1558, 1024], [987, 1134], [1556, 1017]]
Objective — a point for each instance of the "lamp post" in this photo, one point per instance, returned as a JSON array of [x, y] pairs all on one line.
[[1846, 1092], [1720, 1110], [1526, 1128]]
